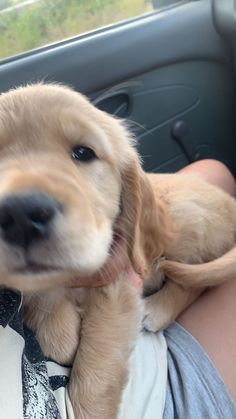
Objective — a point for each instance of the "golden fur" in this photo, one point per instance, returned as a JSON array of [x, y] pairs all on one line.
[[176, 216], [205, 229]]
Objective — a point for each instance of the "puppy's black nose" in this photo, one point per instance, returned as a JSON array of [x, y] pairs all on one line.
[[24, 219]]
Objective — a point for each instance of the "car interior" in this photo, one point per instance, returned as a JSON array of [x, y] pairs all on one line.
[[169, 73]]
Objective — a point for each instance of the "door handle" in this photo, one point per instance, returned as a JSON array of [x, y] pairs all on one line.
[[115, 103]]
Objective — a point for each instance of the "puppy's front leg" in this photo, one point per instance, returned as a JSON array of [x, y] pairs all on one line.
[[56, 322], [110, 327], [163, 307]]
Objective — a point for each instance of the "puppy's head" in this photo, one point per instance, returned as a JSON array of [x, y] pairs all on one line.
[[68, 173]]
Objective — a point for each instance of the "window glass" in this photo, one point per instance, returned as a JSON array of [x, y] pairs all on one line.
[[29, 24]]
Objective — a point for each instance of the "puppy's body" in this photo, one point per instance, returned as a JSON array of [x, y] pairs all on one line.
[[70, 179], [204, 220]]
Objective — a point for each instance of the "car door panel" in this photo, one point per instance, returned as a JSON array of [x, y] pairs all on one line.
[[155, 70]]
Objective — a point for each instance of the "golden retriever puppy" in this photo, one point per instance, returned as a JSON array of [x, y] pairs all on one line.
[[71, 188], [62, 177]]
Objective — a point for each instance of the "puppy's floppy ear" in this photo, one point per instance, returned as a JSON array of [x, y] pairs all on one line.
[[148, 228]]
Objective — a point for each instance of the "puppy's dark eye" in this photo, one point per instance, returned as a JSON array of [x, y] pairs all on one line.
[[82, 153]]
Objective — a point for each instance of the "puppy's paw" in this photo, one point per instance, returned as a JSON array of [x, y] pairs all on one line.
[[156, 315]]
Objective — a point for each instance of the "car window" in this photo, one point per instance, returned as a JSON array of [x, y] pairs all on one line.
[[29, 24]]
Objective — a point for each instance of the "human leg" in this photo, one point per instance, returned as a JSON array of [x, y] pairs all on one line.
[[211, 319], [214, 172]]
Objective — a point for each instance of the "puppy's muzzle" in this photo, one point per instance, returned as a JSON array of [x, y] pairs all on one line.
[[27, 218]]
